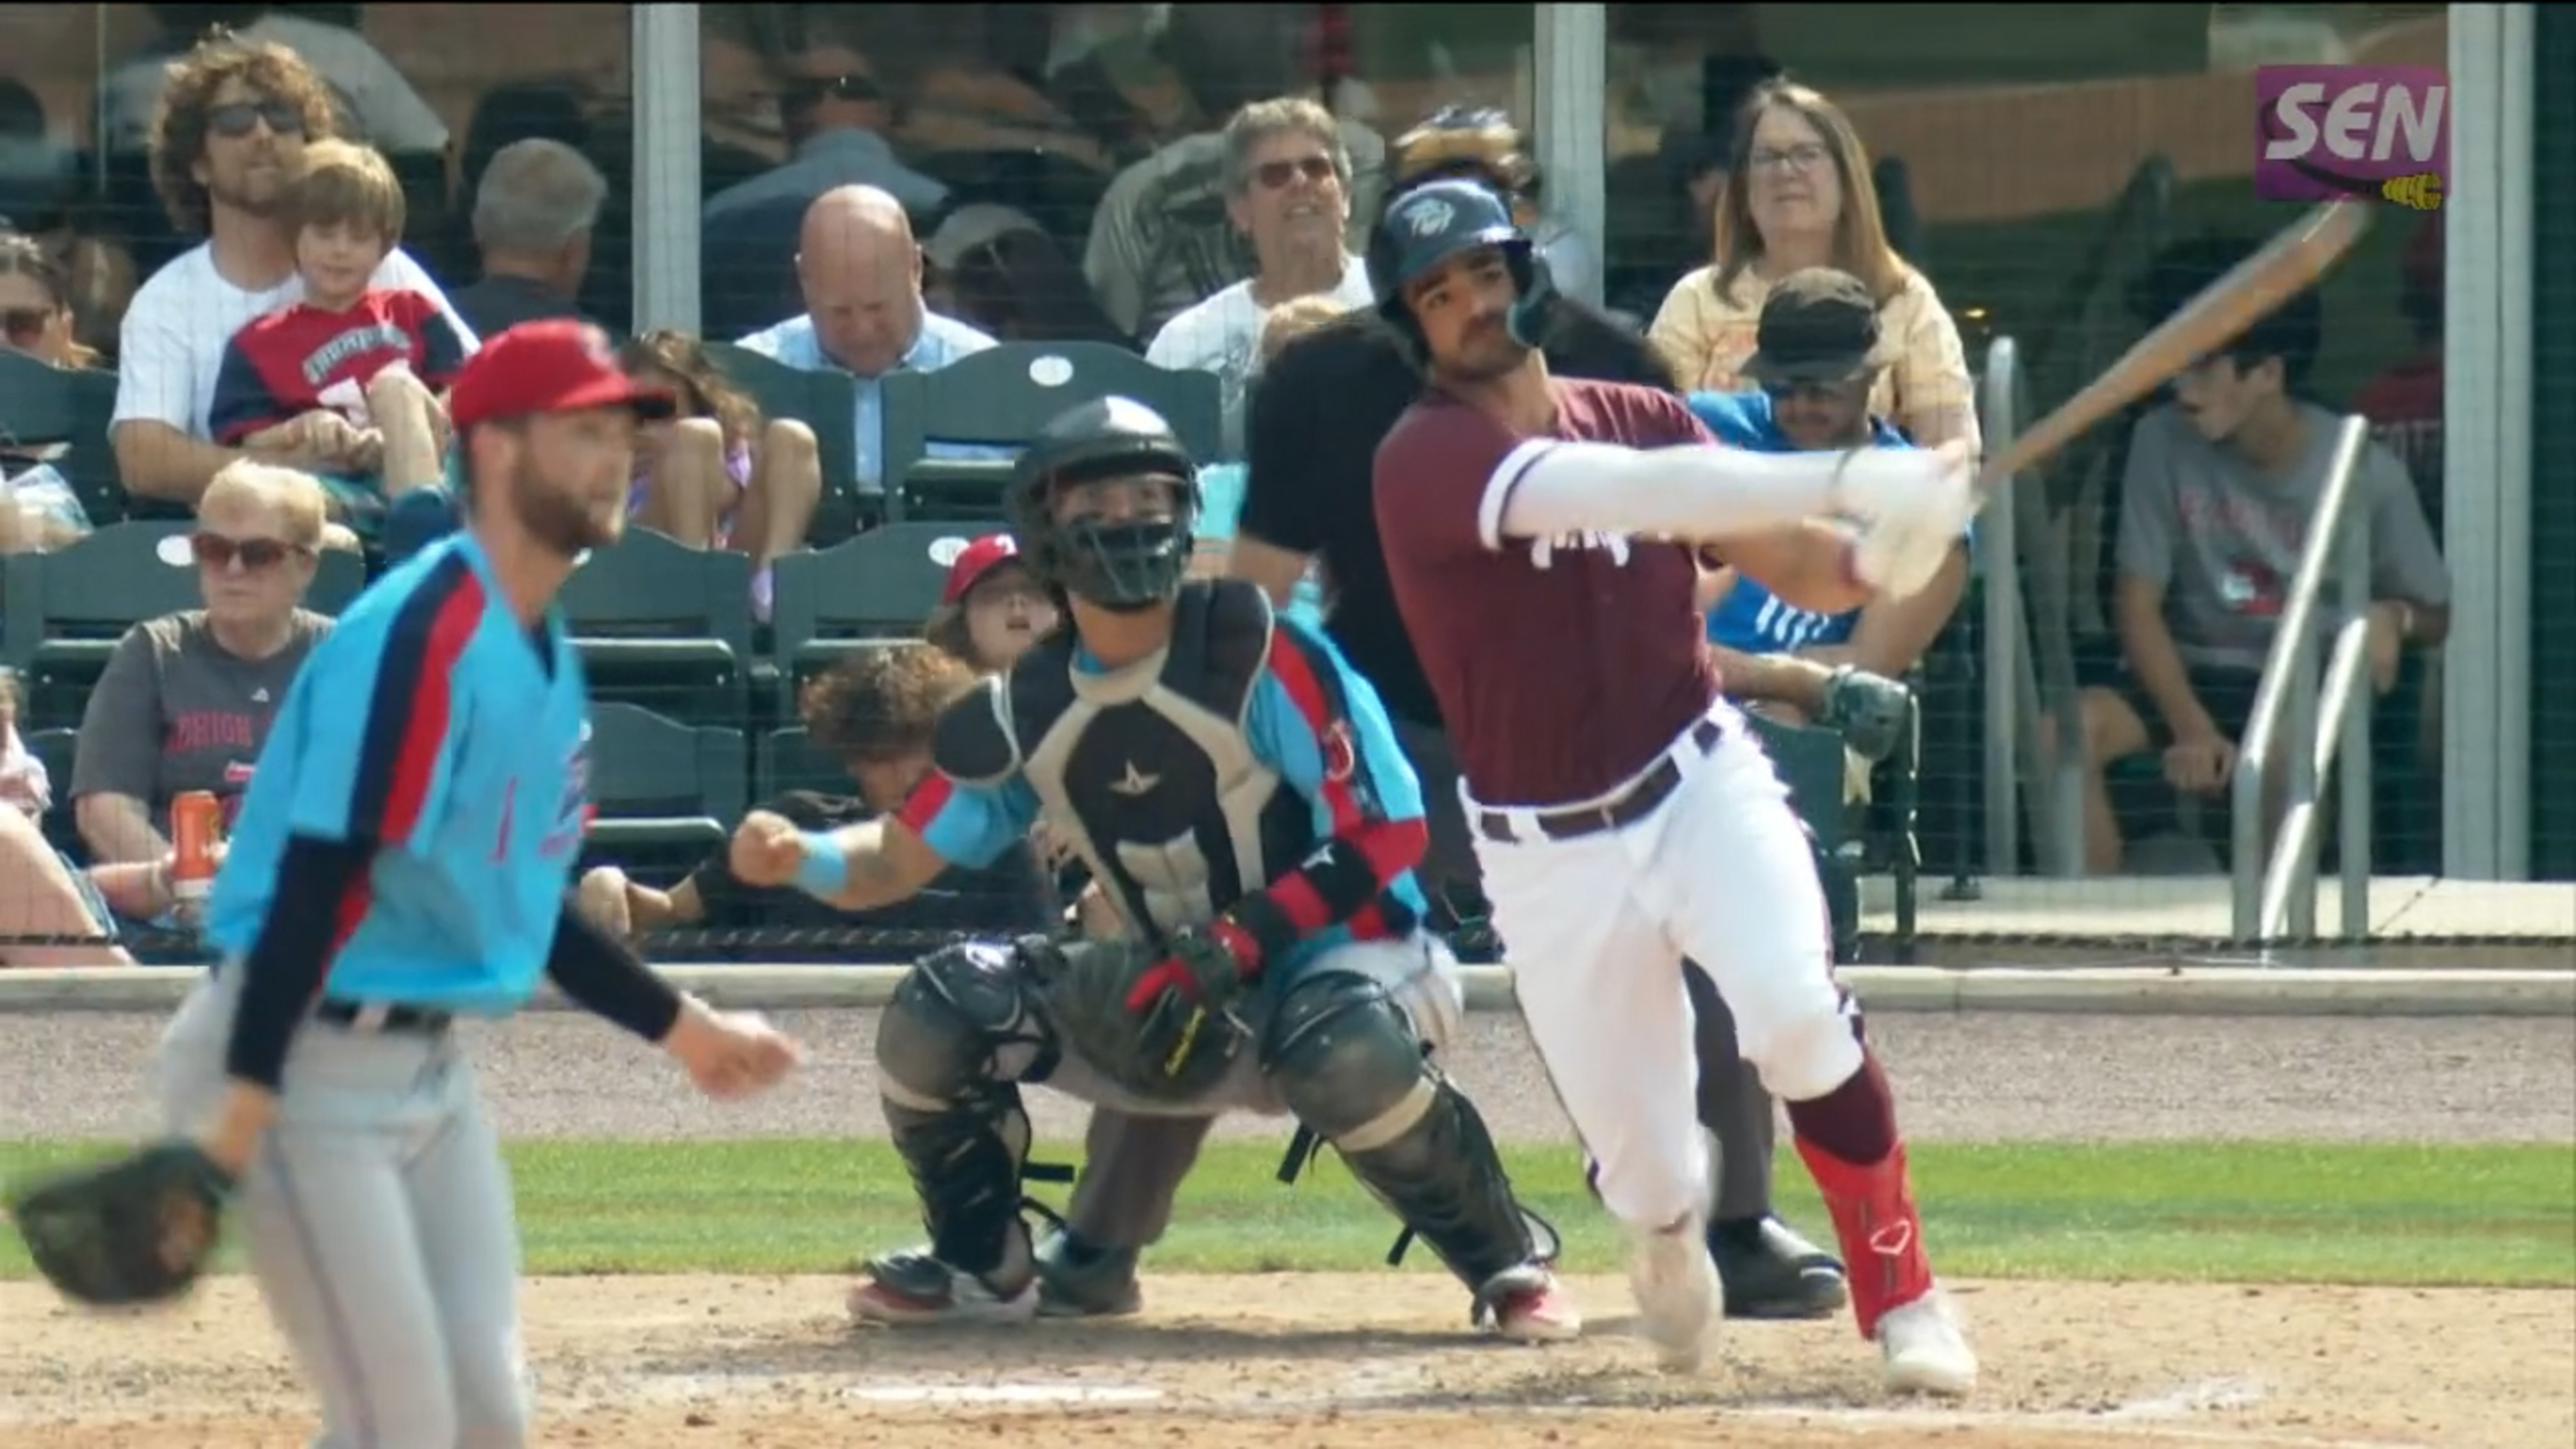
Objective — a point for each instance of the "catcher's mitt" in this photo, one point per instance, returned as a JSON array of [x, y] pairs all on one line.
[[136, 1230], [1869, 710], [1176, 1049]]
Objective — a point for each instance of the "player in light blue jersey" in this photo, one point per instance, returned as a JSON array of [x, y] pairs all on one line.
[[402, 860], [1815, 360], [1239, 794]]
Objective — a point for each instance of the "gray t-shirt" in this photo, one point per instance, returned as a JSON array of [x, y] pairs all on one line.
[[2224, 539], [175, 712]]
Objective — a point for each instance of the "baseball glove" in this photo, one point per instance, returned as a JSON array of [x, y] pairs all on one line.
[[1179, 1045], [135, 1230], [1868, 710]]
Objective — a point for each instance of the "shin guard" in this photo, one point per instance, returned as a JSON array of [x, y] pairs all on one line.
[[1880, 1231]]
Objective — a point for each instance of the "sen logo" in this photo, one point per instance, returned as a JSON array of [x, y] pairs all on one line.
[[2328, 131]]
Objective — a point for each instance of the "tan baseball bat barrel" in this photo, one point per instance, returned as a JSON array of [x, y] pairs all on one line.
[[2223, 311]]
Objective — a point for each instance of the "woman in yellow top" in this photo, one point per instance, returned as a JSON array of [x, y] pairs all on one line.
[[1798, 194]]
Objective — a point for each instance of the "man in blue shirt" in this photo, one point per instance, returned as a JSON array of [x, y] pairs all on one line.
[[1814, 359], [859, 270], [1238, 792], [401, 860]]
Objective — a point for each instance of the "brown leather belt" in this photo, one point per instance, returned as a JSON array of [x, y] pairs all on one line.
[[1625, 808]]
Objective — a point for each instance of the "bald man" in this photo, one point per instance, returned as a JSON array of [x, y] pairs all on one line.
[[858, 270]]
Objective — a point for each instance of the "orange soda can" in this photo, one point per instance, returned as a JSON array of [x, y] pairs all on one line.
[[196, 828]]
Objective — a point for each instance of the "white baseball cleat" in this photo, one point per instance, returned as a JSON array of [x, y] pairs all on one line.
[[1678, 1295], [1926, 1351]]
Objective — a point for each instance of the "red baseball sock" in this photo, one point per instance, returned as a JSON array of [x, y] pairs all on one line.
[[1881, 1234]]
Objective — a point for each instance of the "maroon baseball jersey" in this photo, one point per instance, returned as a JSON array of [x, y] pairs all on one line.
[[1563, 666], [277, 366]]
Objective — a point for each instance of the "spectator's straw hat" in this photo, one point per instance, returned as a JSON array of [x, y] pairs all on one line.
[[976, 224]]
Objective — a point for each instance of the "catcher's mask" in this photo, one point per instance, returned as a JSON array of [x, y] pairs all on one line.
[[1428, 225], [1117, 561]]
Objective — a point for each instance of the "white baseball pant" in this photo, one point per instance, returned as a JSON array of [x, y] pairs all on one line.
[[1597, 926]]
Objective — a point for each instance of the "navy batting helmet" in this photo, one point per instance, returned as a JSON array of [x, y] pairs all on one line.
[[1118, 564], [1429, 224]]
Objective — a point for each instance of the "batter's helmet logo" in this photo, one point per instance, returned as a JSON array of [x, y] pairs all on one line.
[[1429, 217], [1341, 752]]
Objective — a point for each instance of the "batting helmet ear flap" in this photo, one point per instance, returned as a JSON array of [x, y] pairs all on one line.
[[1527, 321]]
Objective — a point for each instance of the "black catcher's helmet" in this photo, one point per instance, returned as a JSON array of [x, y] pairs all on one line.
[[1126, 564]]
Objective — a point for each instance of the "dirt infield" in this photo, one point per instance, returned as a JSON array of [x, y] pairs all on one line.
[[1289, 1361]]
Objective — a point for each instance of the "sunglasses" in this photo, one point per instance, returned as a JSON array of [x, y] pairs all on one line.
[[1820, 391], [256, 554], [24, 324], [238, 118], [839, 88], [1275, 175]]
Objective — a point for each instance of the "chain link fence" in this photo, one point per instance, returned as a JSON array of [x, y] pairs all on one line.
[[1064, 173]]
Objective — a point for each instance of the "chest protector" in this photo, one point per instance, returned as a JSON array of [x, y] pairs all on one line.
[[1147, 772]]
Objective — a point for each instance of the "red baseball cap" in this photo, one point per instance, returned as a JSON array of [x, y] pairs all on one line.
[[558, 365], [976, 560]]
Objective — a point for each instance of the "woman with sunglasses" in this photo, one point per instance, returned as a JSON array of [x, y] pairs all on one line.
[[38, 509], [187, 699]]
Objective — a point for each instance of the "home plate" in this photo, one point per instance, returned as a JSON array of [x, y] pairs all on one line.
[[964, 1394]]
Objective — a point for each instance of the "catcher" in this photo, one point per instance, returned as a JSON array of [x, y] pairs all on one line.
[[1236, 788]]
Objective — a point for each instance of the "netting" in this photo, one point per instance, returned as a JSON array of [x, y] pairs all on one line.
[[1066, 173]]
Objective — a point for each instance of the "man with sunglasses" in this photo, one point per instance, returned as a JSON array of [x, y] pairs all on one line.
[[1814, 362], [227, 148], [1287, 190]]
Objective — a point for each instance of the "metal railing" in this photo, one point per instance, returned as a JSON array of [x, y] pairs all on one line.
[[2275, 889]]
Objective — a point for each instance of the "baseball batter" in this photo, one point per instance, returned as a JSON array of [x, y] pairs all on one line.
[[401, 861], [1625, 815], [1238, 790]]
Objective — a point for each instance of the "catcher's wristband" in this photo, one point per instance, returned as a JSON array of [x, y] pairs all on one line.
[[825, 870]]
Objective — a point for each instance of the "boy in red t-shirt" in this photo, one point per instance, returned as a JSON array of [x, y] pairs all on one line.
[[353, 369]]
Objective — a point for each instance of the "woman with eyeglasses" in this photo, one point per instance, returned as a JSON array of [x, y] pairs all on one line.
[[1798, 194], [188, 698], [38, 509]]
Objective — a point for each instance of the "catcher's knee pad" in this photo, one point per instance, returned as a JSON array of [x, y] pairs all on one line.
[[960, 1020], [1349, 1064], [1346, 1060]]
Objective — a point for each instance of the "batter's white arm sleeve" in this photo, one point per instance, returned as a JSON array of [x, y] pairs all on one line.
[[1547, 487]]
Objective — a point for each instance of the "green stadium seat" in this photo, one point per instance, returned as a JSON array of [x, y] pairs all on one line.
[[43, 406], [664, 792], [877, 588], [786, 759], [66, 609], [665, 625], [1001, 397], [57, 749], [826, 401]]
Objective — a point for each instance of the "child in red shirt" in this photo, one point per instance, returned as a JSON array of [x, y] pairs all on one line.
[[352, 370]]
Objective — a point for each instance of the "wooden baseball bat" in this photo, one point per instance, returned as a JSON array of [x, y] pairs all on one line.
[[2224, 310]]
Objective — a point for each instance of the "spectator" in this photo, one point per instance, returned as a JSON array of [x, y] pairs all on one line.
[[860, 272], [994, 268], [38, 509], [716, 475], [48, 895], [1287, 190], [1816, 362], [228, 145], [874, 711], [835, 116], [1221, 484], [1162, 238], [353, 368], [1798, 194], [2404, 403], [1479, 142], [370, 97], [534, 212], [187, 698], [992, 608], [2219, 492]]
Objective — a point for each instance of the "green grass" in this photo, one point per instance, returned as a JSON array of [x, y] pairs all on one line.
[[2493, 1216]]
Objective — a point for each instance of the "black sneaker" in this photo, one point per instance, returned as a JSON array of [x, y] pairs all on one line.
[[1771, 1272]]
